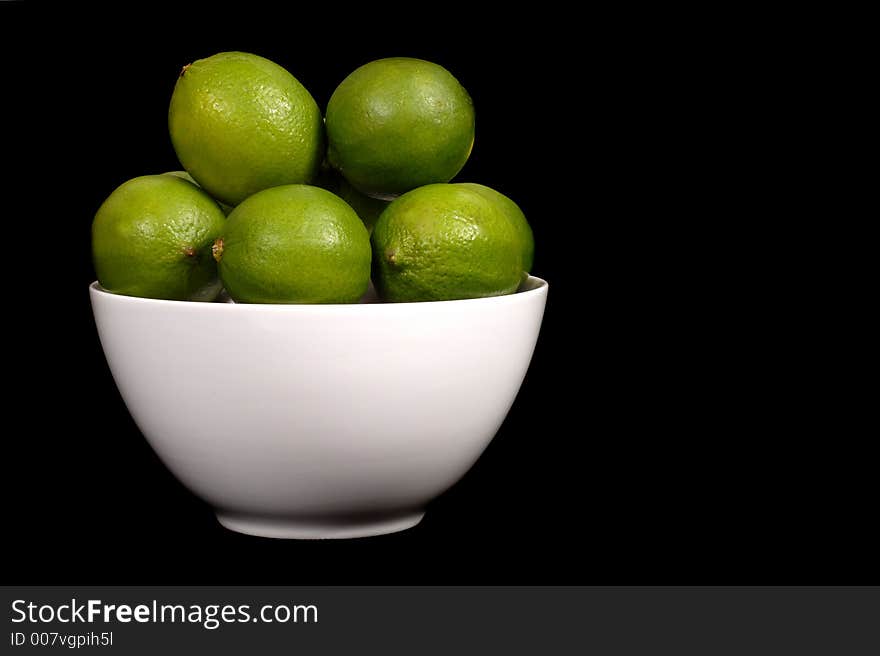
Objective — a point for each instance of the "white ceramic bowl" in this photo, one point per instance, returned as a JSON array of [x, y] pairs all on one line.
[[319, 421]]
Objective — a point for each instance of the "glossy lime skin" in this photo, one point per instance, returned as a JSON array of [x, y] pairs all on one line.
[[396, 124], [240, 123], [294, 244], [516, 217], [444, 242], [152, 237]]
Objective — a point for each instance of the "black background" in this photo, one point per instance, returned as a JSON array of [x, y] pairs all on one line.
[[663, 434]]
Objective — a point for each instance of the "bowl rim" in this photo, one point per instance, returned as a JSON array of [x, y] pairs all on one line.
[[531, 287]]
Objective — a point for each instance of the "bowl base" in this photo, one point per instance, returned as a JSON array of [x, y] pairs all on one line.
[[319, 529]]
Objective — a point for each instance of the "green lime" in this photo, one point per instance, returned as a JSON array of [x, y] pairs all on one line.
[[152, 237], [396, 124], [367, 207], [442, 242], [294, 244], [240, 123], [183, 175], [516, 217]]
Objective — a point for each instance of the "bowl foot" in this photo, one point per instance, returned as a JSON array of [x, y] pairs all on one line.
[[318, 528]]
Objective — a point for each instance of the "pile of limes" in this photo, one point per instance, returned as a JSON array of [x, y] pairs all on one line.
[[281, 205]]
